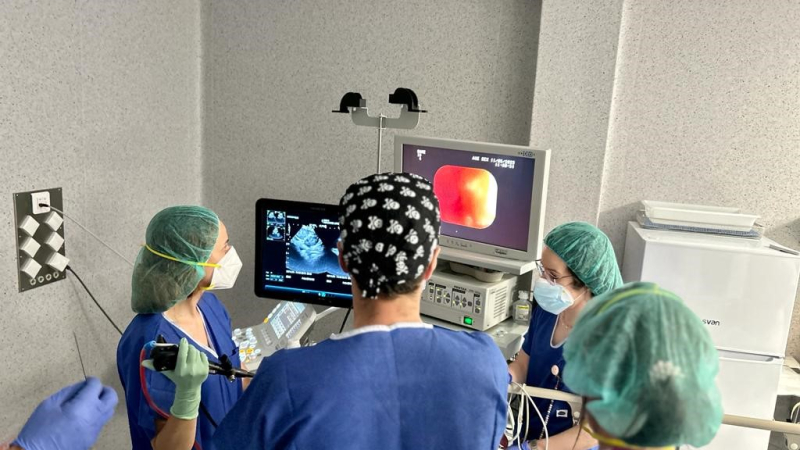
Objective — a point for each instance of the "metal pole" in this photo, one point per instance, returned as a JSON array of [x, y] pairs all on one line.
[[761, 424], [380, 140], [325, 313]]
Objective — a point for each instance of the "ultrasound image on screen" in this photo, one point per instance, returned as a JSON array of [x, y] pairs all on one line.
[[299, 254], [483, 197], [313, 250]]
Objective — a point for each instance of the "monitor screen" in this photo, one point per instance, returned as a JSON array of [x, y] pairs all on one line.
[[484, 197], [296, 254]]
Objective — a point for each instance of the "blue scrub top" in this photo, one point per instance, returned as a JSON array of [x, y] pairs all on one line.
[[218, 394], [543, 356], [407, 386]]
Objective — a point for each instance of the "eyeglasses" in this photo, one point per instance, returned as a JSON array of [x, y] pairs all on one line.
[[546, 275]]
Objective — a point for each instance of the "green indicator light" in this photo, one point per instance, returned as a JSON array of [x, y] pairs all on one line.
[[468, 320]]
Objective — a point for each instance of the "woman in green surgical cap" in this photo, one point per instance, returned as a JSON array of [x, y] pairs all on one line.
[[646, 368], [186, 255], [578, 263]]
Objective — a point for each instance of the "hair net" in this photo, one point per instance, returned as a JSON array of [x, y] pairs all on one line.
[[185, 233], [390, 229], [588, 253], [647, 366]]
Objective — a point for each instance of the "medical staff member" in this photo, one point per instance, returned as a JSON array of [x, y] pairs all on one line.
[[578, 263], [393, 382], [70, 419], [646, 367], [186, 254]]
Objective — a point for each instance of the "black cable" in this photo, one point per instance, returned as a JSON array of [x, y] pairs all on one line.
[[345, 320], [94, 299], [208, 415]]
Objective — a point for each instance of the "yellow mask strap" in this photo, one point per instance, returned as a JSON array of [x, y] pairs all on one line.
[[191, 263], [617, 442]]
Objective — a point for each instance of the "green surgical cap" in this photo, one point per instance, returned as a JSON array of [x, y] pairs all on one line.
[[588, 253], [185, 233], [647, 367]]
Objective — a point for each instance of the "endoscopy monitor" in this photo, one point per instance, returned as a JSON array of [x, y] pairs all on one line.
[[492, 196], [297, 257]]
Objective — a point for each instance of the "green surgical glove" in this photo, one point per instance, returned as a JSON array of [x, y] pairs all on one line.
[[190, 372]]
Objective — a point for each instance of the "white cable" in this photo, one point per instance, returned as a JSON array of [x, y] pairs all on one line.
[[527, 420], [510, 427], [527, 411], [511, 437], [793, 415], [544, 424], [517, 424], [523, 406], [520, 438], [527, 398], [326, 313], [541, 418], [91, 234]]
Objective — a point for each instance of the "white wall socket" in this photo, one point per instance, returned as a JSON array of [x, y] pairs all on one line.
[[38, 198]]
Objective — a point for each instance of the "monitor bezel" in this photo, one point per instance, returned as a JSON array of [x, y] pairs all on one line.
[[540, 182], [262, 205]]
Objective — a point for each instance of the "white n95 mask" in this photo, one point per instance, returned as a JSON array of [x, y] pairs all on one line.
[[224, 276]]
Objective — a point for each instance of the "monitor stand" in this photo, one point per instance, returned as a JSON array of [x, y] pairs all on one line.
[[479, 273], [510, 266]]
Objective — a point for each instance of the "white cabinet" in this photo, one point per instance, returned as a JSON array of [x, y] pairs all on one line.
[[744, 292]]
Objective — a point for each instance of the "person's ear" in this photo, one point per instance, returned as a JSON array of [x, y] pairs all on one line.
[[341, 259], [206, 280], [432, 266]]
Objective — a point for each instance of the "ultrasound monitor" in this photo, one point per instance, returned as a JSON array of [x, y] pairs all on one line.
[[492, 196], [297, 257]]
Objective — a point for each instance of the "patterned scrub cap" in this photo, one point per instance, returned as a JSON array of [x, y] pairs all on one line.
[[390, 229]]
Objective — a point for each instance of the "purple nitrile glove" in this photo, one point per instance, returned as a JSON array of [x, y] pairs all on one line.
[[70, 419]]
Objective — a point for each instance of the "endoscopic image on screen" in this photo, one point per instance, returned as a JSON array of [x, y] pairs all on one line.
[[313, 250], [483, 197], [467, 195]]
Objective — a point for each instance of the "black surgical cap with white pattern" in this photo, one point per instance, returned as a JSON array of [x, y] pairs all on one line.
[[390, 230]]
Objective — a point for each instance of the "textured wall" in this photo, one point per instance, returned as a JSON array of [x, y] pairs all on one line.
[[707, 110], [275, 70], [574, 81], [102, 100]]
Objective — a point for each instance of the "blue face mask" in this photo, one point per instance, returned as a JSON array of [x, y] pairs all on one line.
[[553, 298]]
